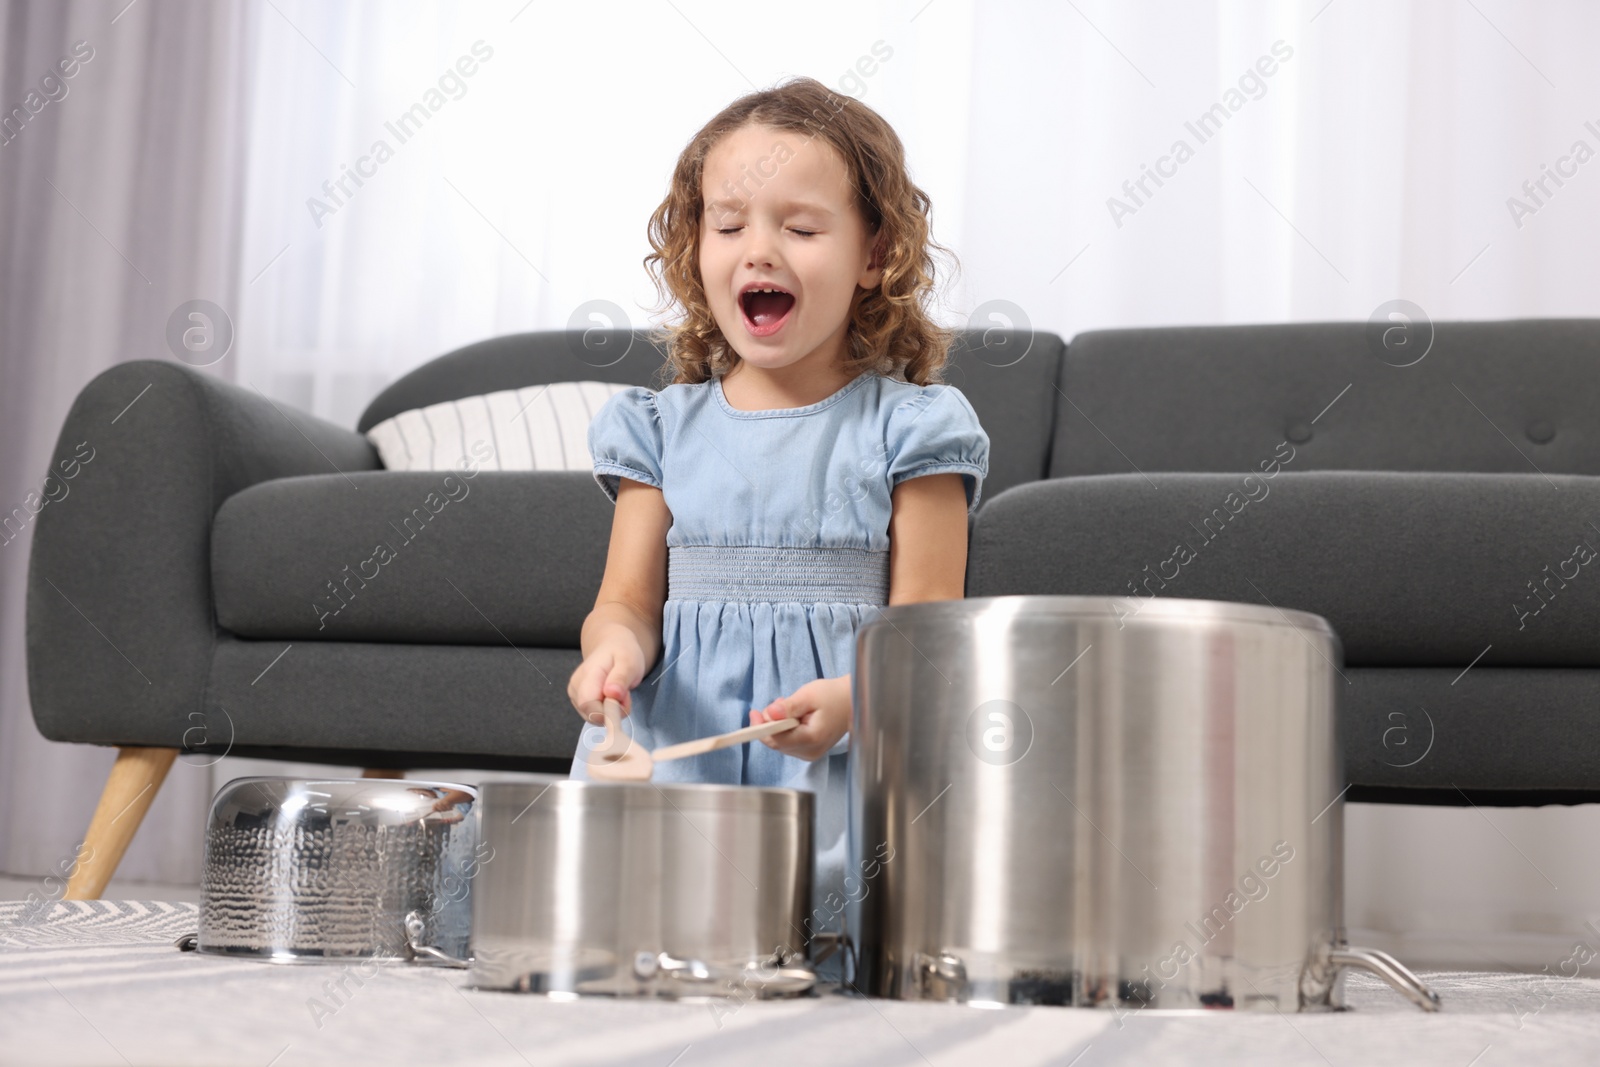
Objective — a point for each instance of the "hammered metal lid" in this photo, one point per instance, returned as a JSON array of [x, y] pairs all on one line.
[[377, 801]]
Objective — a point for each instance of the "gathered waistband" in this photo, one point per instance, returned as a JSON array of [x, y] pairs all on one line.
[[762, 573]]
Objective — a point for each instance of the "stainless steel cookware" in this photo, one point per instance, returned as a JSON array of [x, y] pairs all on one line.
[[1113, 802], [643, 889], [332, 869]]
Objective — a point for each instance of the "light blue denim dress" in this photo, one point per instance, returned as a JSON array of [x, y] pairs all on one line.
[[778, 552]]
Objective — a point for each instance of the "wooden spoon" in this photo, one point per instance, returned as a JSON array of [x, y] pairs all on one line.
[[618, 759]]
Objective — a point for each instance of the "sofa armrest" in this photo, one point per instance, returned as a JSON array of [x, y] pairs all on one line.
[[120, 620]]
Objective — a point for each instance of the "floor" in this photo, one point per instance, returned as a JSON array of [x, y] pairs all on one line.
[[102, 983]]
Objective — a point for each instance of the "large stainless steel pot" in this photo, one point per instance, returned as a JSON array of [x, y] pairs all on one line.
[[641, 889], [1111, 802], [337, 869]]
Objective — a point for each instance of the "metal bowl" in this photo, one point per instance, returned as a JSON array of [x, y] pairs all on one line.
[[331, 869]]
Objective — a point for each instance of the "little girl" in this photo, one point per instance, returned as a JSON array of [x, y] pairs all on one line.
[[801, 470]]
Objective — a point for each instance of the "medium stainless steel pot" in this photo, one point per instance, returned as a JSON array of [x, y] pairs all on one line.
[[335, 869], [641, 889], [1097, 801]]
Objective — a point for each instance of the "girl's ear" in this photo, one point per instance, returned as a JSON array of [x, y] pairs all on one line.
[[872, 274]]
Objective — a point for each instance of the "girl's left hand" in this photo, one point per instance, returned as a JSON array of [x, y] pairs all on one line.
[[823, 708]]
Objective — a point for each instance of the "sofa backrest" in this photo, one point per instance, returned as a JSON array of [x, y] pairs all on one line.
[[1490, 397], [1009, 377]]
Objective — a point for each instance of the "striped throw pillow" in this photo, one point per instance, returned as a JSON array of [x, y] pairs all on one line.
[[538, 428]]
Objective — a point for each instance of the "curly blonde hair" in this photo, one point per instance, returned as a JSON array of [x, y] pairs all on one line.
[[890, 330]]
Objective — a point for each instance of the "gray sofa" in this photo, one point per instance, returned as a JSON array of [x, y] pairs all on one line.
[[180, 597]]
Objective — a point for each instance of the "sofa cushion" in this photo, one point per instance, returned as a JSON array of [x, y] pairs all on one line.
[[1414, 570], [535, 428], [464, 705], [1494, 729], [410, 556], [1516, 396]]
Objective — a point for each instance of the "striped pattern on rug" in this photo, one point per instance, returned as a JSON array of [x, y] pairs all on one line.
[[53, 923]]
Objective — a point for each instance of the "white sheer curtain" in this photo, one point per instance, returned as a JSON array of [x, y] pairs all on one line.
[[1373, 162]]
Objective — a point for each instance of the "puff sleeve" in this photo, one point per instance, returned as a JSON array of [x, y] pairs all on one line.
[[937, 432], [625, 440]]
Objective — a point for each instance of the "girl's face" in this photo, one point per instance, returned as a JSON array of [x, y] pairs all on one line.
[[779, 213]]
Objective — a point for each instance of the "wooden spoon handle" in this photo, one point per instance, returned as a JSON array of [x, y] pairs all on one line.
[[734, 737], [615, 740]]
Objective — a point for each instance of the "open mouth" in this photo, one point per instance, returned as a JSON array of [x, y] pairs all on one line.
[[766, 308]]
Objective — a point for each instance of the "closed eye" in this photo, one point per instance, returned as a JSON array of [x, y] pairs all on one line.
[[802, 233]]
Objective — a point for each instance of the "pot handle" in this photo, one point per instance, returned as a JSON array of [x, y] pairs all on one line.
[[1391, 970], [415, 928], [823, 945]]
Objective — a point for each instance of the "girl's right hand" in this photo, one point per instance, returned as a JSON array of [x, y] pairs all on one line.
[[611, 670]]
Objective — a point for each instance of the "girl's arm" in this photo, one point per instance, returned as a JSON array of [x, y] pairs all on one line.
[[927, 561], [622, 633], [928, 539]]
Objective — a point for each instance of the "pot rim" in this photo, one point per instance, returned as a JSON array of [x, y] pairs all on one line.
[[274, 790], [646, 796], [1123, 610]]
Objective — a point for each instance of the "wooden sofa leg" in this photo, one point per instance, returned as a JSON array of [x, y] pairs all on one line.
[[135, 779]]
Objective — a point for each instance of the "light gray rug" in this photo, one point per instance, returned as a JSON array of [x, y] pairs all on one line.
[[100, 982]]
